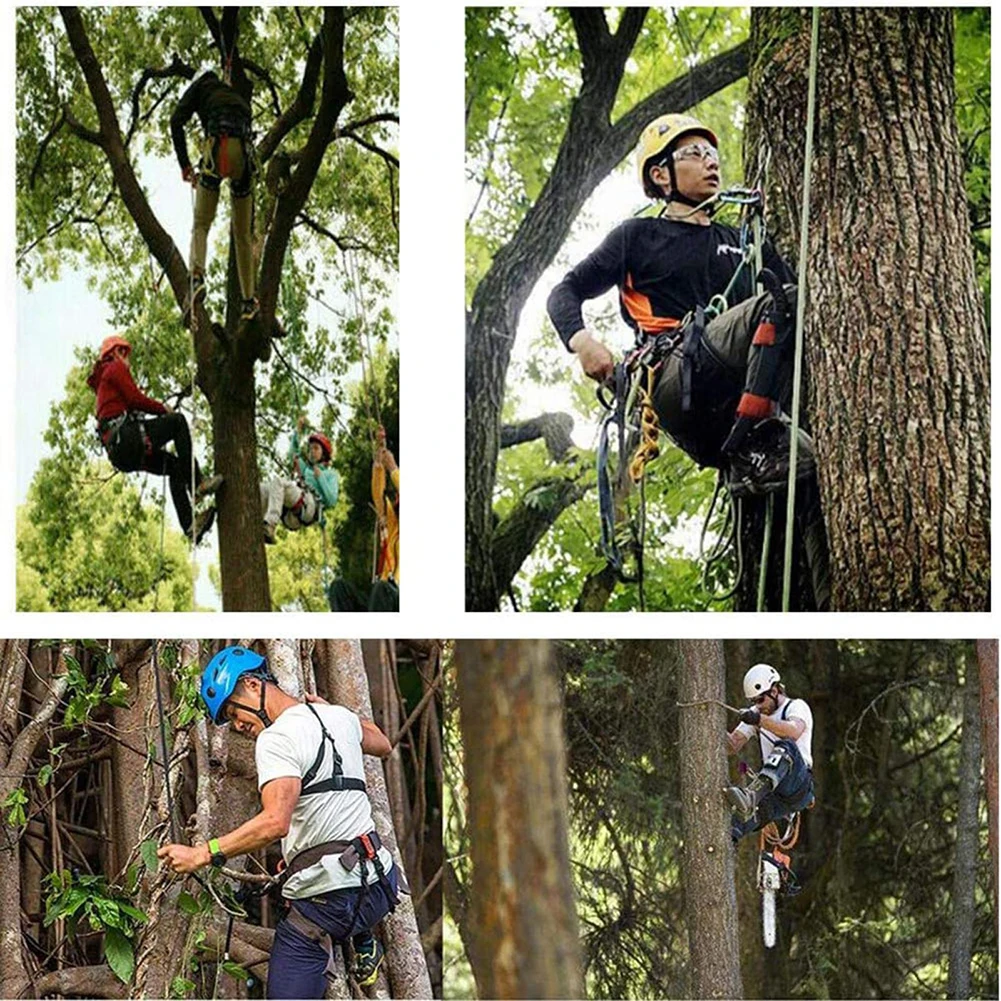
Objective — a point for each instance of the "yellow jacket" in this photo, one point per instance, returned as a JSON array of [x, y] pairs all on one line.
[[387, 565]]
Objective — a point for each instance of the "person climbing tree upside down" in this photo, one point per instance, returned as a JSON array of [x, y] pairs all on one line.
[[721, 384], [227, 152], [784, 726], [339, 880], [135, 443], [299, 502]]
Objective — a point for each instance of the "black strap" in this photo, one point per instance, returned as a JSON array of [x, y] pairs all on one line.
[[688, 354], [338, 781]]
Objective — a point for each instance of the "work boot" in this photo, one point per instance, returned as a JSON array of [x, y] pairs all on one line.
[[270, 533], [203, 523], [761, 464], [250, 308], [368, 959], [209, 485], [745, 800]]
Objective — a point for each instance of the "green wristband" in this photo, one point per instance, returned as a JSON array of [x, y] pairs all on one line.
[[214, 848]]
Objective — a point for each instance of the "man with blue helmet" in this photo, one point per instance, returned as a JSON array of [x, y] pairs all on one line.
[[339, 880]]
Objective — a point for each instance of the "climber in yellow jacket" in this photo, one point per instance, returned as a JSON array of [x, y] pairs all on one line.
[[388, 525]]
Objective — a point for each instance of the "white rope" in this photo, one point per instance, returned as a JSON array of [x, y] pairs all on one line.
[[192, 373]]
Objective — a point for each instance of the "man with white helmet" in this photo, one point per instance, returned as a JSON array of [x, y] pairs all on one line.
[[719, 384], [784, 726]]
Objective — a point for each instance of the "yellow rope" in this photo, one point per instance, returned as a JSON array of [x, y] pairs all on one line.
[[649, 444]]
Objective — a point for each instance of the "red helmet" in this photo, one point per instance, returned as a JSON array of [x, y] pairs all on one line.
[[324, 442], [110, 343]]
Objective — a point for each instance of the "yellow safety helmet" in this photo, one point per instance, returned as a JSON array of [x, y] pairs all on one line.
[[657, 136]]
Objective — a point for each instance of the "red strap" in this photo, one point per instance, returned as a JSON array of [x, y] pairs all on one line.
[[752, 405], [765, 334], [367, 844]]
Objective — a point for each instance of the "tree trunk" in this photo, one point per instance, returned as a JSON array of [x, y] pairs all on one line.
[[964, 882], [522, 911], [987, 656], [226, 354], [710, 897], [405, 964], [895, 340], [590, 148]]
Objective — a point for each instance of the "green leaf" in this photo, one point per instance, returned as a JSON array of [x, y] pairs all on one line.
[[118, 952], [235, 970], [187, 903], [148, 852], [44, 775], [181, 987], [140, 917]]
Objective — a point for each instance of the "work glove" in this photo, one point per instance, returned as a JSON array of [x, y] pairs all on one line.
[[751, 717], [188, 174]]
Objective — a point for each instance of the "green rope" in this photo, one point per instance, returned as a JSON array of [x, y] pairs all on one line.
[[765, 547], [797, 377]]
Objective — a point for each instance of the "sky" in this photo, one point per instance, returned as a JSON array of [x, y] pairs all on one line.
[[55, 317]]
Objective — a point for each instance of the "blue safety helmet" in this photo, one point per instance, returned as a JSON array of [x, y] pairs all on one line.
[[222, 673]]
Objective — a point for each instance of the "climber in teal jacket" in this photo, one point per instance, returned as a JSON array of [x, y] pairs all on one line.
[[314, 486]]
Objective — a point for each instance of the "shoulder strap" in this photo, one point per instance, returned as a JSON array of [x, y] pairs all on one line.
[[338, 781]]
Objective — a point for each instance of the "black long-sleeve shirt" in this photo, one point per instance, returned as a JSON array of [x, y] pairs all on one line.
[[663, 269], [214, 102]]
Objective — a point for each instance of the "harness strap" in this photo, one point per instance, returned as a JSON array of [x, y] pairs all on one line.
[[338, 781], [693, 336], [311, 930]]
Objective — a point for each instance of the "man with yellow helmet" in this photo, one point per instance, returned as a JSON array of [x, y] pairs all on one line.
[[720, 384]]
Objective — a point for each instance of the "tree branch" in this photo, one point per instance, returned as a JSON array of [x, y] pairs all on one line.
[[333, 97], [300, 108], [340, 242], [371, 147], [555, 428], [534, 514], [25, 742]]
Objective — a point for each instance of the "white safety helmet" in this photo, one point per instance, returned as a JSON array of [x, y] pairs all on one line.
[[759, 679]]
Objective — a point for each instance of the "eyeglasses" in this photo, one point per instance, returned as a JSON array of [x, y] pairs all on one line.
[[697, 151]]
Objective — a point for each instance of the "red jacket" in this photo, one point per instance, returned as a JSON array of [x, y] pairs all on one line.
[[117, 391]]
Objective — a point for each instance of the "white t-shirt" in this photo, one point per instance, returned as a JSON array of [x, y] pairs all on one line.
[[788, 709], [287, 749]]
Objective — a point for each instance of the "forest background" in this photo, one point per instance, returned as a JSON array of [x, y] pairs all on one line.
[[581, 749]]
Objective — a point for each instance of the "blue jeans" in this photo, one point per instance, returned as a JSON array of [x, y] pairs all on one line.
[[793, 793], [297, 965]]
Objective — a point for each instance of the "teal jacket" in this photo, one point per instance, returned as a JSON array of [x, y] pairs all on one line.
[[321, 480]]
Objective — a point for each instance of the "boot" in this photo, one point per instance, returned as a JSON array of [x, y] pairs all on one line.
[[368, 959], [761, 464], [745, 800], [208, 486], [204, 521], [270, 536]]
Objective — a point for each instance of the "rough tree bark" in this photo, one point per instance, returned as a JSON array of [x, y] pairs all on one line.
[[344, 673], [227, 353], [514, 759], [591, 147], [710, 896], [896, 346], [987, 657], [964, 881]]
